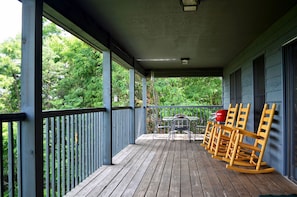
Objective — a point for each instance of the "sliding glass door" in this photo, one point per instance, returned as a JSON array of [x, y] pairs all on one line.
[[290, 61]]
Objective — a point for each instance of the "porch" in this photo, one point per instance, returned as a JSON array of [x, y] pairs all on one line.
[[157, 167]]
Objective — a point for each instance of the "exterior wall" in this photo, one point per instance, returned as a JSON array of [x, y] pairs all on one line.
[[270, 44]]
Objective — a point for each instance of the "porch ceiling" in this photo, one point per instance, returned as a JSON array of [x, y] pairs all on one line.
[[150, 30]]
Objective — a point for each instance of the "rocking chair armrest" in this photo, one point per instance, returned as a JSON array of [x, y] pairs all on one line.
[[248, 133], [249, 146], [210, 122], [227, 128]]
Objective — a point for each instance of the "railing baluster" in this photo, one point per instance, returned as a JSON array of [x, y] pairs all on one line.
[[19, 156], [58, 121], [72, 151], [63, 177], [11, 165], [100, 145], [68, 152], [52, 129], [92, 143], [1, 161], [97, 140], [83, 146], [80, 146], [76, 163], [89, 145], [47, 155], [97, 148]]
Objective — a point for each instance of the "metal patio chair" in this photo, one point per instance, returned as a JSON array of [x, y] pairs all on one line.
[[179, 124]]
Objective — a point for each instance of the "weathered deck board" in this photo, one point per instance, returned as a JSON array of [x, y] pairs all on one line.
[[147, 177], [175, 168]]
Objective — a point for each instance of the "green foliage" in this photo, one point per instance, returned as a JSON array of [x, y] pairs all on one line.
[[186, 91], [79, 81], [120, 85], [50, 29], [10, 59]]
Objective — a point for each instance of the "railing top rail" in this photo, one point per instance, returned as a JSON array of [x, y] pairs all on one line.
[[52, 113], [12, 117], [119, 108], [182, 106]]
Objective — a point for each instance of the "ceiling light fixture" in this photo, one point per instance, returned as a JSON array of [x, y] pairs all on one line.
[[190, 5], [184, 60]]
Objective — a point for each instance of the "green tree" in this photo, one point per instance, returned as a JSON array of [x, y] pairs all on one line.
[[81, 86], [52, 72], [120, 85], [203, 90], [186, 91], [10, 60]]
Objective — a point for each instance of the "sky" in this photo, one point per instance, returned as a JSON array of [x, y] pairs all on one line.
[[10, 19]]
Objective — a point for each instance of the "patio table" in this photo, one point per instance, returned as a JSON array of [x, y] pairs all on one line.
[[193, 122]]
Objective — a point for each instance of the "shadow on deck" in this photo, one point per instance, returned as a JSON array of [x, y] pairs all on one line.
[[175, 168]]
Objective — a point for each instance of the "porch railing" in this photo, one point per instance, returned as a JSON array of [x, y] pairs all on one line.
[[10, 166], [73, 147]]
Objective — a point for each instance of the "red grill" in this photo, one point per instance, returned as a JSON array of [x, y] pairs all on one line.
[[221, 115]]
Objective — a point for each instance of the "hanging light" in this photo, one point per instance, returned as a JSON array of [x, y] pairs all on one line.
[[190, 5], [184, 60]]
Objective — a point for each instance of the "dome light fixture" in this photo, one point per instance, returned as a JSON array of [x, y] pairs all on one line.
[[185, 60], [190, 5]]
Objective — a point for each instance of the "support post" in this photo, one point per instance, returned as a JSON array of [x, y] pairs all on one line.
[[132, 104], [144, 101], [31, 101], [107, 95]]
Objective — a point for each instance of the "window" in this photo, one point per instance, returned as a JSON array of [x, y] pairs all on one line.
[[259, 89], [235, 87]]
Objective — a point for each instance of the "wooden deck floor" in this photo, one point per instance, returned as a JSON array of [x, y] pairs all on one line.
[[175, 168]]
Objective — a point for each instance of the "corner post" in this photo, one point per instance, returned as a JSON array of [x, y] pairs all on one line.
[[31, 146]]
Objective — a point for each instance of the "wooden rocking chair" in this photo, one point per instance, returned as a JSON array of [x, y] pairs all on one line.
[[222, 134], [229, 122], [207, 134], [247, 158], [230, 119]]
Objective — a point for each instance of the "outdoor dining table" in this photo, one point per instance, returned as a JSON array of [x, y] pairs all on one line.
[[170, 118], [193, 121]]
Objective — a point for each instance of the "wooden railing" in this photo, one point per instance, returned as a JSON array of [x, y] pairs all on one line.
[[73, 147]]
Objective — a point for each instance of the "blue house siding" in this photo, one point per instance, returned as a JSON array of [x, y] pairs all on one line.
[[270, 44]]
